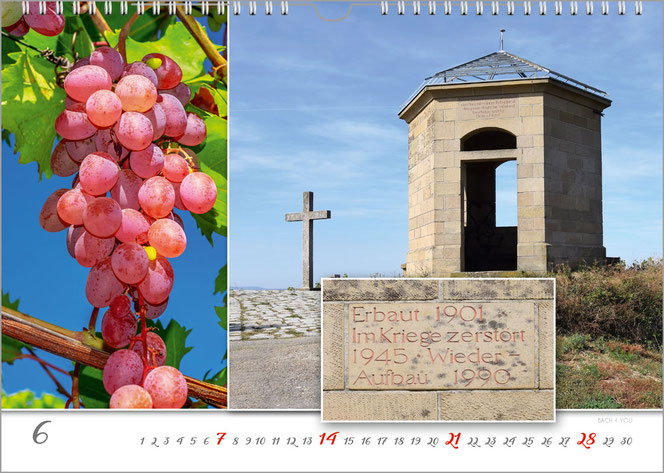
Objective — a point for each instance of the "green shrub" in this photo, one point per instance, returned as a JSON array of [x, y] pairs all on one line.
[[613, 301]]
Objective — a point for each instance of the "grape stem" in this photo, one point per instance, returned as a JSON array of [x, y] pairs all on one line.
[[44, 363], [92, 325], [74, 386], [219, 64], [101, 24], [46, 53], [144, 334]]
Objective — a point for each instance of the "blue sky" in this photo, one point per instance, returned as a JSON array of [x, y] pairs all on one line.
[[313, 106], [37, 268]]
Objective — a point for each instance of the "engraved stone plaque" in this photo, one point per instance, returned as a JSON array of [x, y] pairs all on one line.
[[473, 109], [441, 345], [438, 349]]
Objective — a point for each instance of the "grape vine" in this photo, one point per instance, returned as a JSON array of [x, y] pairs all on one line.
[[138, 132]]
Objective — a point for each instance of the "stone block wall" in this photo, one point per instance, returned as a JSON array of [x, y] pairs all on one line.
[[573, 181], [438, 349]]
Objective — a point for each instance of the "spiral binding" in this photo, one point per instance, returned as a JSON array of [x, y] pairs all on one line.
[[447, 6]]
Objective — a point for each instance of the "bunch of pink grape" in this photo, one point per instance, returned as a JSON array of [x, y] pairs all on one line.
[[122, 132], [46, 22]]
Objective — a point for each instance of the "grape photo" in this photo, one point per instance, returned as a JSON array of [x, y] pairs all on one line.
[[114, 143]]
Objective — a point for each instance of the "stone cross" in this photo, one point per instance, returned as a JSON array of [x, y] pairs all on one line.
[[307, 217]]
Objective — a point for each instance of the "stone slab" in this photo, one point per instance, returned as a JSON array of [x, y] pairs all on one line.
[[546, 348], [379, 406], [486, 289], [379, 289], [441, 345], [334, 364], [498, 405]]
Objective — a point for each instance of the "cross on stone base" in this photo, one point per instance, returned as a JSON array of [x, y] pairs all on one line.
[[307, 217]]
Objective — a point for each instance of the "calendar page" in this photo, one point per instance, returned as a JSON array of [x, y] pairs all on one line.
[[484, 289]]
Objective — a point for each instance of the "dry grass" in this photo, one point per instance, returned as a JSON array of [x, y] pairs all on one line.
[[606, 374]]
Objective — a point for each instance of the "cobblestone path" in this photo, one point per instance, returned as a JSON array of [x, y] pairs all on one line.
[[270, 314]]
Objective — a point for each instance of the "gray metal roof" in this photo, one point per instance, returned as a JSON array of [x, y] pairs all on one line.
[[498, 66]]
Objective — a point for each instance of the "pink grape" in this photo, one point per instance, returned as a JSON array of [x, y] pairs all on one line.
[[134, 227], [81, 62], [120, 305], [71, 104], [102, 286], [156, 349], [181, 91], [117, 328], [82, 82], [198, 192], [73, 234], [20, 28], [168, 73], [195, 132], [167, 237], [109, 59], [167, 387], [102, 217], [76, 107], [48, 24], [130, 263], [103, 141], [72, 205], [79, 149], [141, 69], [148, 162], [123, 367], [177, 219], [130, 396], [125, 191], [89, 250], [74, 125], [156, 197], [136, 92], [48, 217], [175, 167], [153, 311], [178, 200], [103, 108], [61, 164], [98, 174], [176, 118], [134, 131], [158, 283], [157, 117]]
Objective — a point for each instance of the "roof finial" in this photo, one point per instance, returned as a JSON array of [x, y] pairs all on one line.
[[501, 39]]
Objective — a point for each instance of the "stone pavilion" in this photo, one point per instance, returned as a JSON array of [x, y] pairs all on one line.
[[466, 121]]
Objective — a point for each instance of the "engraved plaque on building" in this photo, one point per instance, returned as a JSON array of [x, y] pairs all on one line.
[[446, 345], [481, 108]]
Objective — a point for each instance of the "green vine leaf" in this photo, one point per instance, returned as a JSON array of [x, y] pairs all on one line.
[[31, 102], [11, 348], [176, 43], [219, 379], [220, 287], [91, 388], [27, 399]]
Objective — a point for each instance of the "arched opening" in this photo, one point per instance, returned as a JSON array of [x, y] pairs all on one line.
[[488, 139], [488, 246]]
